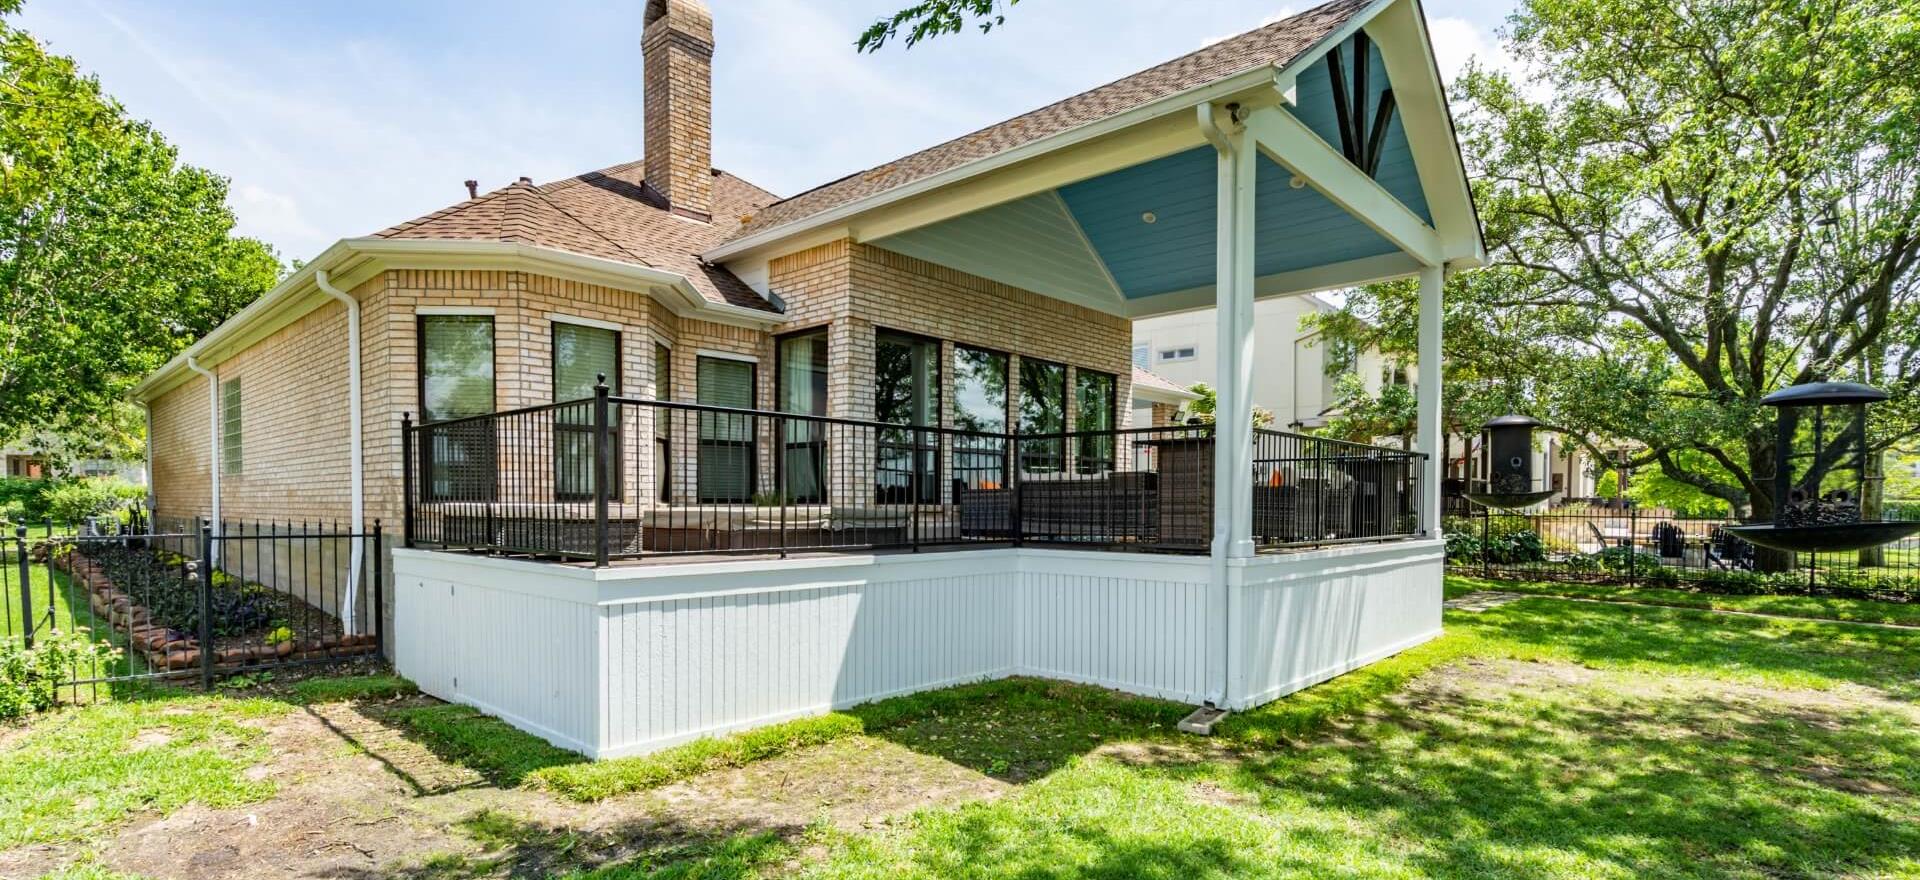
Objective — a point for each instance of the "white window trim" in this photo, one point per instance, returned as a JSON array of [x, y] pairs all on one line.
[[454, 311], [557, 318], [1160, 355], [726, 355]]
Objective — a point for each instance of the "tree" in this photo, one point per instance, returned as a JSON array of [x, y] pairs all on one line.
[[1715, 200], [113, 255], [931, 18], [1204, 407]]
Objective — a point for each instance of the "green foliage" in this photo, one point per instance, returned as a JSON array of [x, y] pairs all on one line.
[[29, 677], [491, 747], [1686, 207], [76, 500], [1507, 540], [172, 595], [1203, 408], [932, 18], [27, 497], [1365, 418], [113, 254]]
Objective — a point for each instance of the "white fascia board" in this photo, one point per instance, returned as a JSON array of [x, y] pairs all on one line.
[[1288, 141], [1262, 77], [1313, 279], [1156, 394], [353, 260], [1400, 31]]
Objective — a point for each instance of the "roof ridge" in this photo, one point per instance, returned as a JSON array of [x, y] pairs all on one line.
[[1213, 46], [535, 191]]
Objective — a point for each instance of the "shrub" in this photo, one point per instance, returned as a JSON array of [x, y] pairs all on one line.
[[30, 677], [1507, 540], [172, 595], [95, 496], [29, 495]]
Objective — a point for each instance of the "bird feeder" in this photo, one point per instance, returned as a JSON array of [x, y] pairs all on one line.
[[1819, 509], [1510, 482]]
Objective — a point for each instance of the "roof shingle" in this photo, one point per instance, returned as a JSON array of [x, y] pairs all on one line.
[[1279, 43], [608, 214]]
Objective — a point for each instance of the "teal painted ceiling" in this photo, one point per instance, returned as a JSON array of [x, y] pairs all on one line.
[[1121, 254]]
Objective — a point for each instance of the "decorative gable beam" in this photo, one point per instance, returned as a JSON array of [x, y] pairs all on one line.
[[1401, 33], [1289, 142]]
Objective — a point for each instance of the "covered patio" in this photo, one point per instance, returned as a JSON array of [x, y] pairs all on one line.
[[1278, 560]]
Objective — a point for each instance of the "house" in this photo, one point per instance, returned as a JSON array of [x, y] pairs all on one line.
[[671, 455], [44, 457], [1296, 376]]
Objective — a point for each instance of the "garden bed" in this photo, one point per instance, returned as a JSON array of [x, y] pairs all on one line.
[[153, 597]]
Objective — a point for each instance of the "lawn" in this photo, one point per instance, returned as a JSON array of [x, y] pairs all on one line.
[[1541, 738], [1822, 607], [56, 600]]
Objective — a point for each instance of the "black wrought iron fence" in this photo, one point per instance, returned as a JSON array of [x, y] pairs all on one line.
[[242, 597], [1636, 547], [684, 478]]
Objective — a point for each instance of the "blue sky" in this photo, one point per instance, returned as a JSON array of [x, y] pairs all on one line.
[[338, 119]]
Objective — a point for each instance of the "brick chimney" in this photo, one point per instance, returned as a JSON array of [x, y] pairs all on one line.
[[677, 51]]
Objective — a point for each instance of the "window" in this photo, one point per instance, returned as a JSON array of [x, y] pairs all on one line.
[[1182, 353], [906, 392], [456, 380], [1043, 410], [230, 426], [979, 404], [1094, 398], [727, 454], [1142, 355], [802, 377], [581, 355]]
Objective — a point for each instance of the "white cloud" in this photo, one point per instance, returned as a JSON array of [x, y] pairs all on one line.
[[1457, 41]]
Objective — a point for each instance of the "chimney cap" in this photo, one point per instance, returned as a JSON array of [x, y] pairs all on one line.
[[473, 188], [526, 180], [688, 17]]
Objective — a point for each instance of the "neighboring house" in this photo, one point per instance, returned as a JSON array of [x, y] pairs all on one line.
[[1158, 400], [1296, 375], [934, 355], [38, 464]]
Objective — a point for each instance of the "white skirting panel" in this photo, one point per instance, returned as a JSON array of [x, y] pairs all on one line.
[[630, 659], [1301, 619]]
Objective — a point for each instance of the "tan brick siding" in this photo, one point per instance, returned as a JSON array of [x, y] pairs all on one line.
[[179, 440]]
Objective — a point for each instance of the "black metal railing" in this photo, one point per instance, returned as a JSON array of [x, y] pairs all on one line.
[[688, 479]]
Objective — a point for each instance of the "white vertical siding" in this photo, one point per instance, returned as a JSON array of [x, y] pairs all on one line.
[[630, 659], [1307, 618]]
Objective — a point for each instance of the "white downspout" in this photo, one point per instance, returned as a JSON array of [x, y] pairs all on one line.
[[213, 443], [153, 501], [356, 475]]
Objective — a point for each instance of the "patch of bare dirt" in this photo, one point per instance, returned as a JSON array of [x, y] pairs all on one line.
[[357, 799]]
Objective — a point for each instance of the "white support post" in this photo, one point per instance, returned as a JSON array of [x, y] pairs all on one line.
[[1233, 300], [1432, 289]]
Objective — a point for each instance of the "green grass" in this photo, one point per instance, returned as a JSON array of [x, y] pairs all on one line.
[[352, 688], [461, 735], [70, 610], [1817, 607], [1608, 777], [81, 770]]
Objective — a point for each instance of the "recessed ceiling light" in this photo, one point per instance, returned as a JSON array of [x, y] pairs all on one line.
[[1297, 181], [1148, 217]]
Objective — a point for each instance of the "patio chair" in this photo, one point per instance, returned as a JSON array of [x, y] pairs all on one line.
[[1728, 551], [1670, 540]]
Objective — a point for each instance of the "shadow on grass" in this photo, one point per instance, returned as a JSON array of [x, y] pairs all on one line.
[[655, 850], [1580, 781]]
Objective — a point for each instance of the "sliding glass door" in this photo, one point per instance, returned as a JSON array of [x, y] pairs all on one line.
[[802, 380], [906, 392], [581, 355], [726, 444]]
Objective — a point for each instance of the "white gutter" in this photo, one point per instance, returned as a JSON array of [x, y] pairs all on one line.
[[213, 441], [355, 461]]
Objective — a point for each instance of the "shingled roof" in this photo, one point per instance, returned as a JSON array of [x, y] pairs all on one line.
[[1279, 43], [607, 214]]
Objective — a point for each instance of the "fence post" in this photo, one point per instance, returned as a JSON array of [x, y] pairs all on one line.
[[785, 481], [1486, 542], [600, 470], [379, 594], [26, 582], [206, 607], [1014, 452], [1633, 553], [406, 478]]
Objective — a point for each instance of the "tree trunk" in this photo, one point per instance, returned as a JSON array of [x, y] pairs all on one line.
[[1761, 462], [1872, 503]]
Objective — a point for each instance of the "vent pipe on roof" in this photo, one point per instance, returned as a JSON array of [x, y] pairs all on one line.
[[473, 189]]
